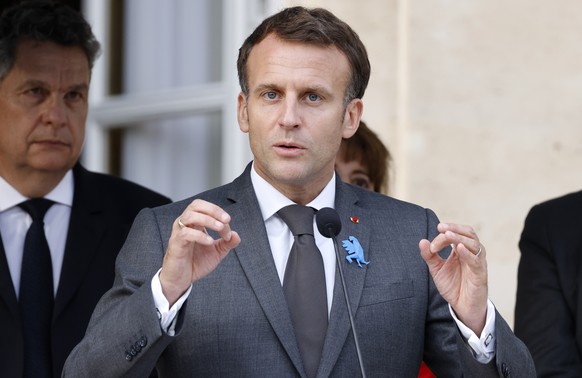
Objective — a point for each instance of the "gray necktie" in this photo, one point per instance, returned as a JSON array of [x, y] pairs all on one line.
[[304, 286], [36, 296]]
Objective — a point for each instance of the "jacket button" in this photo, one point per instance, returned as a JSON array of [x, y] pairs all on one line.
[[128, 357], [505, 370], [143, 341]]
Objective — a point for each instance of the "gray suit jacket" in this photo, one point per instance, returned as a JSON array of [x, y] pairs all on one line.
[[235, 322]]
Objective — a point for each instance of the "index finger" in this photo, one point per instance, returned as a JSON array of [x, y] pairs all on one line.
[[200, 214], [208, 208], [461, 234], [459, 229]]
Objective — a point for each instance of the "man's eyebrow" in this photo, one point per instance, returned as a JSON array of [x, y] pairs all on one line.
[[320, 89], [32, 83], [317, 88], [43, 84], [83, 87], [266, 86], [307, 89]]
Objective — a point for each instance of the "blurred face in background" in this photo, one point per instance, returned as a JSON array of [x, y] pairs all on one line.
[[353, 172], [43, 108]]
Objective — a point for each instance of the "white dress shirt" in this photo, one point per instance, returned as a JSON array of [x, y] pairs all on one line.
[[281, 239], [280, 236], [14, 223]]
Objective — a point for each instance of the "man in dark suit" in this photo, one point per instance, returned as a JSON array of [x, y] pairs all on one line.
[[204, 286], [549, 286], [46, 55]]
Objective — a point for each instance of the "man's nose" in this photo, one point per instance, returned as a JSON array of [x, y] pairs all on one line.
[[290, 116], [55, 112]]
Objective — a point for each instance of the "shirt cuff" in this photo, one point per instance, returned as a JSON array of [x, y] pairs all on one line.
[[166, 315], [483, 347]]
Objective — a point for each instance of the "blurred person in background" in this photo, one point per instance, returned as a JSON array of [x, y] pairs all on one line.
[[48, 201], [548, 308], [363, 160]]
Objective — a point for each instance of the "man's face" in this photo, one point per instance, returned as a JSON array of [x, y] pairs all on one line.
[[43, 108], [295, 114]]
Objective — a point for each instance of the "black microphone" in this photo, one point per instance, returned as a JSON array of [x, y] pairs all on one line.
[[329, 225]]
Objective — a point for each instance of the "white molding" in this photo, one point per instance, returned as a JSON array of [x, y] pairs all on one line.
[[132, 108], [96, 149]]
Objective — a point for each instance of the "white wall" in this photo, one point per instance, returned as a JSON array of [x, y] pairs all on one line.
[[480, 103]]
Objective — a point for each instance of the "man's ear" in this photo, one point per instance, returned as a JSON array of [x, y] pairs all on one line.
[[352, 117], [242, 113]]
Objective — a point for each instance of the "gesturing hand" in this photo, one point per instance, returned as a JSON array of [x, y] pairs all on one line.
[[461, 278], [192, 253]]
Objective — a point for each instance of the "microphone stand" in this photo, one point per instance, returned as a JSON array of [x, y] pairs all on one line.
[[350, 315]]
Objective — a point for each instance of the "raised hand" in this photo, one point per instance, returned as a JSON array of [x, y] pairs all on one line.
[[191, 252], [462, 277]]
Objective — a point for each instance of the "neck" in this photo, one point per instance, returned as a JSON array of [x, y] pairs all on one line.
[[35, 184]]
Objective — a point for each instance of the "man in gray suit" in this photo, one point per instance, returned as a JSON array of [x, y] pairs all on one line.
[[199, 289]]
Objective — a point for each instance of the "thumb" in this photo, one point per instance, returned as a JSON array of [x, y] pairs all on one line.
[[427, 255], [226, 246]]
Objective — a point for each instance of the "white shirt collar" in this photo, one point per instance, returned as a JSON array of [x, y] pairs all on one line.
[[271, 200], [62, 193]]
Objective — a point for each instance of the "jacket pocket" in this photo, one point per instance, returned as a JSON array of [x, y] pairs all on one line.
[[390, 291]]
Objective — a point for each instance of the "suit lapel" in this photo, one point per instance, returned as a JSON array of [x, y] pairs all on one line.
[[254, 254], [85, 230], [256, 259], [339, 324]]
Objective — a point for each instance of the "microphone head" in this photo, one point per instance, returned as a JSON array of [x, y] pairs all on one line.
[[328, 222]]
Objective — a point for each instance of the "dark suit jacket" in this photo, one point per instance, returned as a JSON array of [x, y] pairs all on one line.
[[235, 322], [549, 288], [103, 210]]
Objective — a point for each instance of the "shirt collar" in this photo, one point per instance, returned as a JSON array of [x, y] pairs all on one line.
[[271, 200], [62, 193]]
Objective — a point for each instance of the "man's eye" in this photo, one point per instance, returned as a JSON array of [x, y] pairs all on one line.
[[270, 95], [312, 97], [73, 95], [34, 91]]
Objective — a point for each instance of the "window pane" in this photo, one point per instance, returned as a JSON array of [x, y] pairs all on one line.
[[171, 44], [178, 157]]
